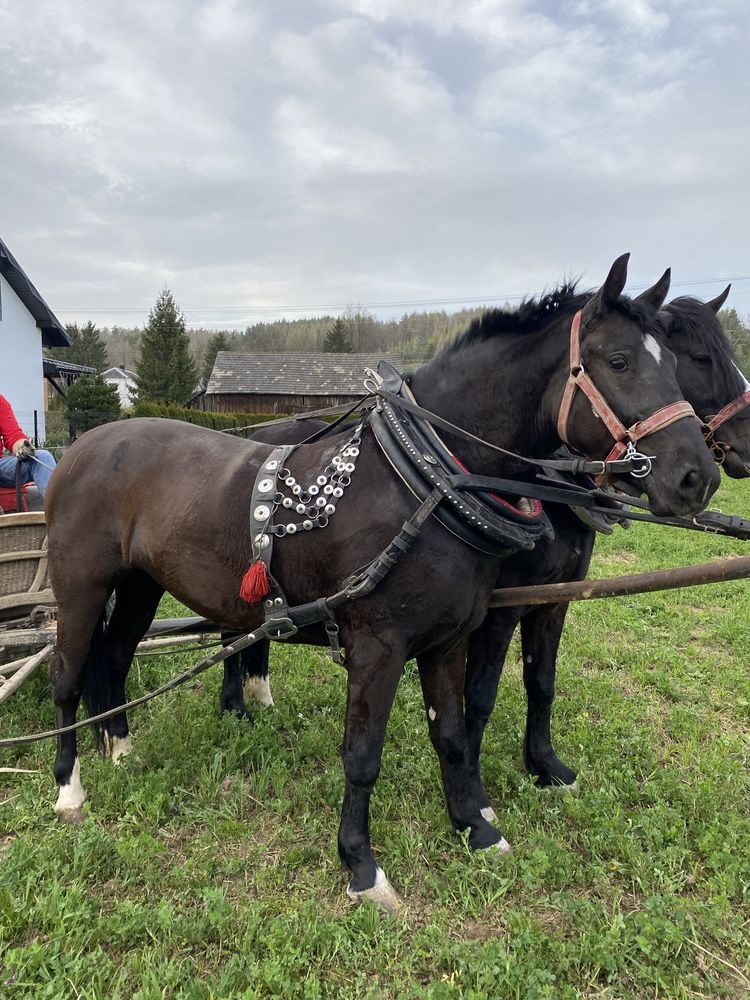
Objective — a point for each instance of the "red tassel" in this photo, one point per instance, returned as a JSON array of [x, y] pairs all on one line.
[[255, 585]]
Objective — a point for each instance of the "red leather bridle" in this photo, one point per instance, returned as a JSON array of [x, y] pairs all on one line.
[[625, 437], [719, 449]]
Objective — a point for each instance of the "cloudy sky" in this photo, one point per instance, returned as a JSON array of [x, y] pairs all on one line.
[[288, 158]]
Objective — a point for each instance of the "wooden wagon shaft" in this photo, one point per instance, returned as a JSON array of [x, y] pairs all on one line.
[[33, 637], [9, 686], [200, 639], [720, 571], [6, 669]]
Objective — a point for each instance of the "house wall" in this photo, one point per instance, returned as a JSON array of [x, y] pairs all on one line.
[[123, 387], [21, 378]]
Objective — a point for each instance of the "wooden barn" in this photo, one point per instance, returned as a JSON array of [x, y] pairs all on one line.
[[287, 383]]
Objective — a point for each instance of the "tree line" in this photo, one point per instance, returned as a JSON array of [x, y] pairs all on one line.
[[172, 363]]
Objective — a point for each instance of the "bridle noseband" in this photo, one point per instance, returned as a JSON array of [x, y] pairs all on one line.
[[625, 438], [719, 449]]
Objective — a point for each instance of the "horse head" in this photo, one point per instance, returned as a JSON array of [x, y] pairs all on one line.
[[710, 378], [631, 395]]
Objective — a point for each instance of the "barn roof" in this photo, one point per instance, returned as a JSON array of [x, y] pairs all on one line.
[[54, 333], [293, 374]]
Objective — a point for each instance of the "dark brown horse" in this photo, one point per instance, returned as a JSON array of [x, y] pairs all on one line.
[[128, 511]]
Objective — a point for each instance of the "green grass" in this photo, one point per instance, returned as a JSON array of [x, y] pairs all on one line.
[[207, 865]]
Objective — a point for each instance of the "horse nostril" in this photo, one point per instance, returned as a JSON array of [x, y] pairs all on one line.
[[691, 482]]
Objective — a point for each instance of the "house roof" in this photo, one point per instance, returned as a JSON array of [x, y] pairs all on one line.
[[54, 333], [293, 374], [119, 373], [51, 368]]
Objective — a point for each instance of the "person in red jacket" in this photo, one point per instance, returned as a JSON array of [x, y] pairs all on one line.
[[36, 466]]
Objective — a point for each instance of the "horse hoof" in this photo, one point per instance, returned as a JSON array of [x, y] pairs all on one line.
[[501, 847], [560, 789], [258, 689], [73, 816], [120, 747], [70, 797], [489, 814], [382, 894]]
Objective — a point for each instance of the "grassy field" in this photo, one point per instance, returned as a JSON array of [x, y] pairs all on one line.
[[207, 867]]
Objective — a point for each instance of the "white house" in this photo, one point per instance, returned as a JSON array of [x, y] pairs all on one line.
[[27, 324], [125, 381]]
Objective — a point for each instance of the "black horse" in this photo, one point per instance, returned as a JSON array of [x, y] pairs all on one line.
[[128, 511], [709, 378]]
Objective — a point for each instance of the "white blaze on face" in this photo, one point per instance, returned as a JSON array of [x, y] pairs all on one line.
[[652, 347], [744, 380]]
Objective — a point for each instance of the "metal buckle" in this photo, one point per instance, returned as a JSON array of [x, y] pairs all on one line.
[[280, 628]]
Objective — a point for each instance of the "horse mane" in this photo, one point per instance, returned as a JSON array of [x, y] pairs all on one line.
[[700, 324], [533, 315]]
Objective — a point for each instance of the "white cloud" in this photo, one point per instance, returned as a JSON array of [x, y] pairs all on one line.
[[367, 150]]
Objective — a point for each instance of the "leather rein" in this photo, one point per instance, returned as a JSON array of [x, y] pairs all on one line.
[[719, 449], [625, 438]]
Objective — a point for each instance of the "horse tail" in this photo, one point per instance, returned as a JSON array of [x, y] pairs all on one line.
[[97, 673]]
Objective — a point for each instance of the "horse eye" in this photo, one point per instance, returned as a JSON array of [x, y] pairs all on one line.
[[618, 363], [702, 359]]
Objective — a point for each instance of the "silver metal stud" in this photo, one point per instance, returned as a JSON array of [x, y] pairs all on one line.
[[261, 513]]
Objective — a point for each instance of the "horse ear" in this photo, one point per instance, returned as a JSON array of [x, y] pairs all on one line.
[[719, 301], [655, 295], [610, 291]]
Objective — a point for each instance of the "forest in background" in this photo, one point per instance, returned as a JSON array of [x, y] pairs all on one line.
[[416, 336]]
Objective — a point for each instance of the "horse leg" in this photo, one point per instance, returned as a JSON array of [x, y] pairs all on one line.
[[257, 686], [442, 674], [541, 631], [137, 597], [371, 687], [78, 621], [245, 677], [488, 648]]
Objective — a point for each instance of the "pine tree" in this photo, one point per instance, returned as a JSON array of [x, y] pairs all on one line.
[[337, 339], [86, 348], [90, 402], [166, 370], [738, 335], [216, 342]]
